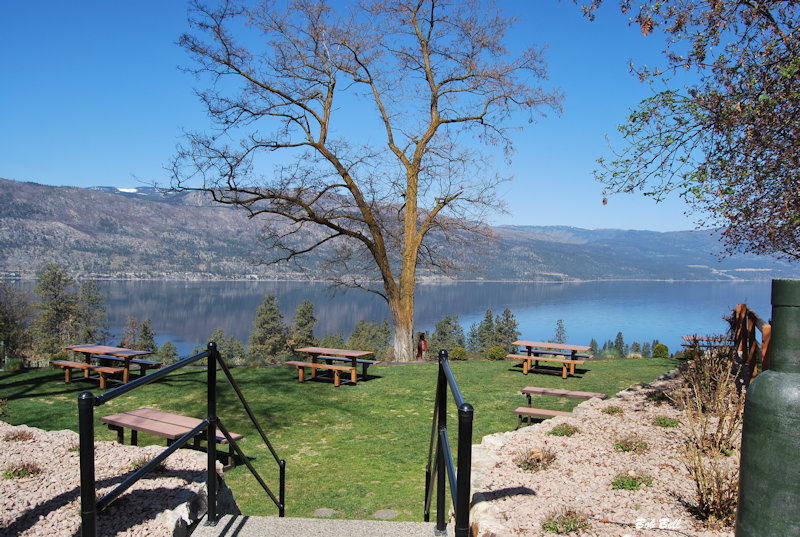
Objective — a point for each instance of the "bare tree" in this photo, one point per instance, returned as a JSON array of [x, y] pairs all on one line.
[[376, 125]]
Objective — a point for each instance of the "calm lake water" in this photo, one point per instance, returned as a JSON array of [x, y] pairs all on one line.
[[188, 312]]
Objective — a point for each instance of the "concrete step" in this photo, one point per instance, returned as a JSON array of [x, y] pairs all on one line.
[[273, 526]]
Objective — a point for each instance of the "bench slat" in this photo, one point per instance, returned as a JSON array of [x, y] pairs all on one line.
[[539, 412], [528, 390]]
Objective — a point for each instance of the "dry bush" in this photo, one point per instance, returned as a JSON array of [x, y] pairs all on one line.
[[714, 407], [535, 459]]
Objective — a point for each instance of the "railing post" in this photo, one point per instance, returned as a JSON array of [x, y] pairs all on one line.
[[86, 443], [740, 315], [211, 433], [282, 491], [766, 336], [441, 396], [465, 415]]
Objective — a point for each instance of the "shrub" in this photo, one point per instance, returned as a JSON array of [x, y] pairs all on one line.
[[535, 459], [14, 364], [631, 481], [660, 351], [563, 429], [613, 410], [458, 353], [631, 444], [634, 356], [658, 397], [713, 406], [664, 421], [20, 435], [566, 521], [3, 408], [496, 353], [24, 469]]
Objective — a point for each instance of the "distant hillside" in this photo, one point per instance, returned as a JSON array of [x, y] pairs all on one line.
[[105, 232]]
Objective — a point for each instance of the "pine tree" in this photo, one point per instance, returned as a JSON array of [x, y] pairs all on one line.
[[168, 353], [646, 350], [560, 334], [506, 332], [593, 347], [619, 345], [370, 336], [230, 349], [486, 333], [130, 333], [147, 337], [332, 341], [447, 334], [268, 335], [303, 328], [54, 326], [91, 314], [16, 314]]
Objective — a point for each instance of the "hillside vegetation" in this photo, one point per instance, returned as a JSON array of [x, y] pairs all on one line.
[[108, 233]]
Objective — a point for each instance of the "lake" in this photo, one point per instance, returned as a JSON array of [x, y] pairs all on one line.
[[188, 312]]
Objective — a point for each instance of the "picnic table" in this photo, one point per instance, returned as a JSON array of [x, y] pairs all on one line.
[[104, 354], [528, 412], [165, 424], [541, 351], [347, 361]]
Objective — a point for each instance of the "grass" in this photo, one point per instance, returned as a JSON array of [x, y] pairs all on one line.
[[631, 481], [567, 521], [631, 444], [563, 429], [355, 449], [665, 421]]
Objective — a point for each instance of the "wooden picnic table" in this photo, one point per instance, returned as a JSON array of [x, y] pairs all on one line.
[[100, 352], [323, 358], [541, 351]]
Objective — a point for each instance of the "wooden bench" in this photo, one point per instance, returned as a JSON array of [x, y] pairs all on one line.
[[543, 413], [104, 371], [165, 424], [143, 364], [337, 370], [68, 366], [527, 412], [567, 366], [364, 363]]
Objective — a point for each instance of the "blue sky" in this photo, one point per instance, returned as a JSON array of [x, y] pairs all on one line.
[[91, 94]]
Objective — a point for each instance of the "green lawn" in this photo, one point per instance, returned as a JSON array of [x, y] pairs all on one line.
[[355, 449]]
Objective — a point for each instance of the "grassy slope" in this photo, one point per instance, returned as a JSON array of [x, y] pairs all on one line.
[[355, 449]]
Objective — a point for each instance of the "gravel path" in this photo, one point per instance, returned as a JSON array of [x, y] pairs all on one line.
[[49, 503], [518, 501]]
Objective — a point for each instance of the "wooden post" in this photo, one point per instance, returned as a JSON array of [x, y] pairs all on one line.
[[766, 336], [738, 331], [751, 347]]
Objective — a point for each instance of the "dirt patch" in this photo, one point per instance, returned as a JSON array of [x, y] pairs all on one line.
[[516, 501], [46, 501]]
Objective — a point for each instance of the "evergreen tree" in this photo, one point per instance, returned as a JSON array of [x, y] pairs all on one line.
[[53, 327], [485, 334], [303, 328], [593, 347], [636, 347], [560, 335], [16, 314], [447, 334], [268, 335], [646, 350], [230, 349], [168, 353], [130, 333], [370, 336], [147, 338], [506, 332], [619, 345], [473, 341], [332, 341], [92, 326]]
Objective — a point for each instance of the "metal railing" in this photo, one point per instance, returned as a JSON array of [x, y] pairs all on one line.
[[746, 326], [460, 482], [90, 505]]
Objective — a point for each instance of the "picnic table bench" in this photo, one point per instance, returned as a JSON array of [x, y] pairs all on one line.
[[567, 364], [165, 424], [543, 413], [337, 370], [104, 372], [143, 364], [327, 356]]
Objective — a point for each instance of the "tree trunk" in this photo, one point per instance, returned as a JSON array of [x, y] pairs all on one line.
[[403, 321]]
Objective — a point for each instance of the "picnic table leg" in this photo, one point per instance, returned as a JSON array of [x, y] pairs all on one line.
[[68, 375], [302, 371], [564, 371], [337, 378], [572, 368], [353, 375], [126, 374], [134, 437]]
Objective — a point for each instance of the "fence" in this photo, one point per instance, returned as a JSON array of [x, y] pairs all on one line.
[[747, 326], [90, 505], [435, 470]]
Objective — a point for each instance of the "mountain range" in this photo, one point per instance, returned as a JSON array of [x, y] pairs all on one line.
[[146, 233]]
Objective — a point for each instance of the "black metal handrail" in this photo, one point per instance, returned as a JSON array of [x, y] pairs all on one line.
[[459, 481], [90, 505]]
